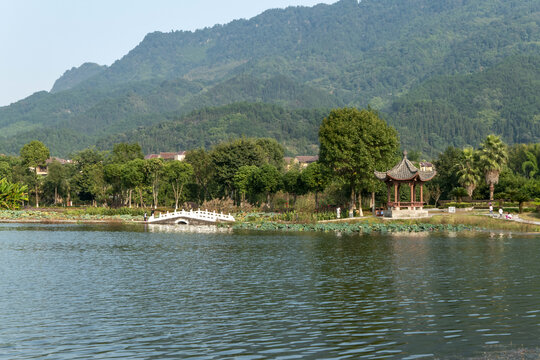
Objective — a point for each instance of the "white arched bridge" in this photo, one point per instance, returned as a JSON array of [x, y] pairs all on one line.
[[190, 217]]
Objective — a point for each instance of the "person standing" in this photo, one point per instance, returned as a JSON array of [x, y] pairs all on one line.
[[490, 209], [500, 212]]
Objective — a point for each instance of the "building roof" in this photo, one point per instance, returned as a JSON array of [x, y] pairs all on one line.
[[151, 156], [405, 170], [307, 159], [61, 161], [167, 155]]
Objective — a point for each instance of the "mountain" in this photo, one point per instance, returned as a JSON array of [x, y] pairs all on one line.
[[75, 76], [462, 110], [296, 129], [386, 53]]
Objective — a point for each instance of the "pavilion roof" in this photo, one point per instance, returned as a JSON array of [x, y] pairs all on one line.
[[405, 170]]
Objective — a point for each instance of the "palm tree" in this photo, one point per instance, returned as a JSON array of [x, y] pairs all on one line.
[[493, 157], [468, 171]]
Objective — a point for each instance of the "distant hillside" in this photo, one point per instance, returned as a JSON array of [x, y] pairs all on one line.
[[297, 130], [463, 109], [378, 52], [75, 76]]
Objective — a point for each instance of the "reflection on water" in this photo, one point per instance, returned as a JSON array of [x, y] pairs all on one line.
[[70, 291], [180, 228]]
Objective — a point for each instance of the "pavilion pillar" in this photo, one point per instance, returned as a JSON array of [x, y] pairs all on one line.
[[411, 185], [388, 193], [396, 203], [422, 194]]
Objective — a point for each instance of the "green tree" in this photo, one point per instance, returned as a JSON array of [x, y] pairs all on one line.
[[57, 180], [229, 156], [112, 174], [203, 170], [178, 173], [447, 176], [315, 178], [132, 174], [267, 180], [354, 143], [293, 184], [243, 180], [273, 152], [493, 157], [530, 167], [88, 180], [468, 171], [34, 154], [5, 170], [153, 169], [459, 193]]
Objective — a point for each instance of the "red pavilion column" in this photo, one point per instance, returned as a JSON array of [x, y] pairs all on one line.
[[422, 195], [412, 195], [388, 193], [396, 195]]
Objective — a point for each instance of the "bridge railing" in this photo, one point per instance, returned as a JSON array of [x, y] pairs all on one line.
[[196, 215]]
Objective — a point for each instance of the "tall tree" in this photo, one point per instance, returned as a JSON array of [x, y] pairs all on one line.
[[354, 143], [56, 179], [132, 174], [315, 178], [228, 157], [243, 179], [153, 170], [293, 184], [493, 157], [468, 171], [34, 154], [178, 173], [88, 180], [203, 171], [267, 180]]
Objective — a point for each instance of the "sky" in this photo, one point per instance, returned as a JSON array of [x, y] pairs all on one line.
[[41, 39]]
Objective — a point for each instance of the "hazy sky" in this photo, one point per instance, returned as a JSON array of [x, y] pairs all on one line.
[[40, 39]]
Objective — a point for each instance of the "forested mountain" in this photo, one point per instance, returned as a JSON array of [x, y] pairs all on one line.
[[75, 76], [422, 62], [461, 110], [297, 130]]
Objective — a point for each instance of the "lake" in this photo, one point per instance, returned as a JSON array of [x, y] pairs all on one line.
[[111, 291]]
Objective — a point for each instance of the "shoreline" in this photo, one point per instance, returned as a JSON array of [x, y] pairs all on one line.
[[462, 222]]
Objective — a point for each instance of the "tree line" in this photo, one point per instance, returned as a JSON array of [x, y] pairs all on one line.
[[251, 171]]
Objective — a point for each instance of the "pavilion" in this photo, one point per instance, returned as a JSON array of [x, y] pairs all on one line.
[[405, 173]]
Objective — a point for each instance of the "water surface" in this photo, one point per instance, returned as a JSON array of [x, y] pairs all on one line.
[[79, 292]]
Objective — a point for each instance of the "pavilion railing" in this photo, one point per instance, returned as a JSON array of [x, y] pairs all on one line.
[[405, 204]]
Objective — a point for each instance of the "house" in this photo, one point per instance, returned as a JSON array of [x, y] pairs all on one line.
[[304, 161], [43, 170], [426, 166], [178, 156]]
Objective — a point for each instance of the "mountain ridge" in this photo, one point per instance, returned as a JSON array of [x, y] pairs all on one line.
[[344, 54]]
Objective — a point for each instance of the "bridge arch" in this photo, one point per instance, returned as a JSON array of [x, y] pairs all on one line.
[[182, 222]]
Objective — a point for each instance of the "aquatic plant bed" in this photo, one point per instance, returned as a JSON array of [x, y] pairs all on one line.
[[37, 216], [363, 227]]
